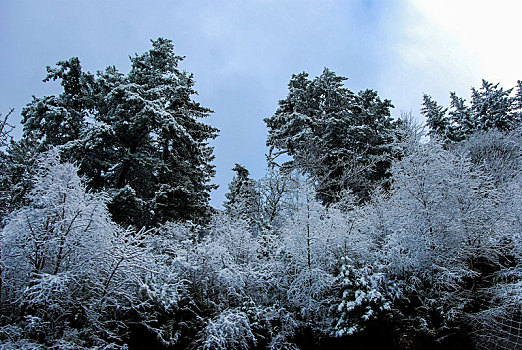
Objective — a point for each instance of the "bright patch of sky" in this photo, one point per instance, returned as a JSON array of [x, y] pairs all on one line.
[[243, 53]]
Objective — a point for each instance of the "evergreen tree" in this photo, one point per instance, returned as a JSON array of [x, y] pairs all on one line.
[[137, 136], [435, 115], [57, 120], [339, 138], [243, 200], [491, 108], [463, 121], [517, 101]]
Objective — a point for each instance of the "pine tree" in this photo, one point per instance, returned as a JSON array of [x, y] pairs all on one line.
[[243, 198], [137, 136], [435, 116], [491, 107], [341, 139], [57, 120]]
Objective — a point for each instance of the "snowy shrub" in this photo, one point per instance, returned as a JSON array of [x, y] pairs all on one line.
[[496, 153], [228, 262], [62, 226], [65, 265], [230, 330], [365, 298], [312, 242]]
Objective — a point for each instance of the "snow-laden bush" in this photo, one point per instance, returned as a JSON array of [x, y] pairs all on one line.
[[367, 295], [496, 153], [66, 267], [443, 232], [441, 218], [312, 242], [227, 262], [230, 330]]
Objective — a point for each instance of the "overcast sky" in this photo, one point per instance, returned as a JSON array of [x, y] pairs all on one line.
[[243, 53]]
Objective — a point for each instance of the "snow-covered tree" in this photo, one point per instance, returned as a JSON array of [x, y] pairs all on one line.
[[497, 319], [443, 214], [443, 256], [339, 138], [51, 248], [491, 107], [5, 166], [441, 237], [435, 115], [57, 120], [19, 168], [69, 275], [230, 269], [312, 244], [496, 153], [243, 198], [366, 297], [5, 130], [136, 136]]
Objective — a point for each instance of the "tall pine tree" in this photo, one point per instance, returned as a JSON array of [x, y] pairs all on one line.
[[341, 139], [137, 136], [243, 200]]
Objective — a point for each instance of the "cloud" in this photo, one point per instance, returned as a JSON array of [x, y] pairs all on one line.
[[488, 30], [243, 53]]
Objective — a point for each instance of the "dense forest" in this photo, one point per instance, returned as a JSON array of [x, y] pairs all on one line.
[[367, 231]]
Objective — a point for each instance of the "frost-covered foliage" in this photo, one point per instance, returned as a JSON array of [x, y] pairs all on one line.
[[284, 279], [444, 233], [243, 199], [444, 217], [5, 166], [368, 231], [342, 140], [136, 136], [498, 320], [367, 296], [229, 257], [69, 274], [229, 330], [62, 223], [491, 107], [495, 153], [279, 191], [312, 243]]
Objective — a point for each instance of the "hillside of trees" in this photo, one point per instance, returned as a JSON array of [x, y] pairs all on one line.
[[373, 232]]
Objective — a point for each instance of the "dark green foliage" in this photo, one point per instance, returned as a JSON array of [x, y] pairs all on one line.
[[56, 120], [341, 139], [435, 115], [243, 198], [17, 168], [136, 136], [490, 107]]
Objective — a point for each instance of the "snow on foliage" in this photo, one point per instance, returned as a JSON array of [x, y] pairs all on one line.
[[230, 330], [440, 218], [365, 297], [66, 267], [367, 228]]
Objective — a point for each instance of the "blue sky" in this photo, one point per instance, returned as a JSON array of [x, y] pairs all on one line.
[[243, 53]]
